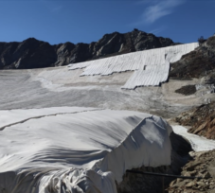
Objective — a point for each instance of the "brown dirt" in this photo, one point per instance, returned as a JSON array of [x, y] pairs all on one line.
[[201, 119], [202, 165]]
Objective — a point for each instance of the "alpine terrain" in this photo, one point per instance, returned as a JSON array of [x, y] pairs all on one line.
[[84, 118]]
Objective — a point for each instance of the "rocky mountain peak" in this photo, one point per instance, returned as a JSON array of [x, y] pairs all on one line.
[[32, 53]]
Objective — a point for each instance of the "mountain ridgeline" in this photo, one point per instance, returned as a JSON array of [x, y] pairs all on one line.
[[32, 53]]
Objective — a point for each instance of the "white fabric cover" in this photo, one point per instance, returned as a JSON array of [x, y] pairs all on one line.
[[77, 149]]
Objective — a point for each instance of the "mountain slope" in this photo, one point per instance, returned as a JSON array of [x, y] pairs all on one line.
[[33, 53], [197, 63]]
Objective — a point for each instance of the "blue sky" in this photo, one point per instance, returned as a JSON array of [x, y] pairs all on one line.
[[88, 20]]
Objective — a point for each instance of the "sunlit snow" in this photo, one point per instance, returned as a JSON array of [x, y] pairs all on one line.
[[198, 143]]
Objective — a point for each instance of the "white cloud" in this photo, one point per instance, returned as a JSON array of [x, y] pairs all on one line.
[[158, 30], [160, 9]]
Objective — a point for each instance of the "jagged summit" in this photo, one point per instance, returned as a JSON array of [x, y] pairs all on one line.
[[32, 53]]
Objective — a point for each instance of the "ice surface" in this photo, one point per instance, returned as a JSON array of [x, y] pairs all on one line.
[[77, 149], [151, 66], [74, 149]]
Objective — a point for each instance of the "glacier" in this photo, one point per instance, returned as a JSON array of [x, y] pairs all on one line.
[[74, 149], [151, 67], [79, 130]]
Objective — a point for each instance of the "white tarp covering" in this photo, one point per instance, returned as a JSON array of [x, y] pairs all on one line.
[[151, 66], [72, 149]]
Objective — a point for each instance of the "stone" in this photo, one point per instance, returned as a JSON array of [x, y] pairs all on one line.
[[33, 53], [190, 184]]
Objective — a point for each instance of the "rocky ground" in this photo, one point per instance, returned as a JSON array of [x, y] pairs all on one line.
[[202, 165], [201, 120], [197, 64]]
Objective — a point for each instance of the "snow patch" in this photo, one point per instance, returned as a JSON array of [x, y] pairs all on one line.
[[198, 143]]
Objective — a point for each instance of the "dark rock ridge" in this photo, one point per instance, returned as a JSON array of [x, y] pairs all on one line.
[[33, 53]]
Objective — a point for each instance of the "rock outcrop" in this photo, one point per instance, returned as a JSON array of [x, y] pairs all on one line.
[[33, 53], [30, 53], [202, 166], [201, 120], [197, 64]]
